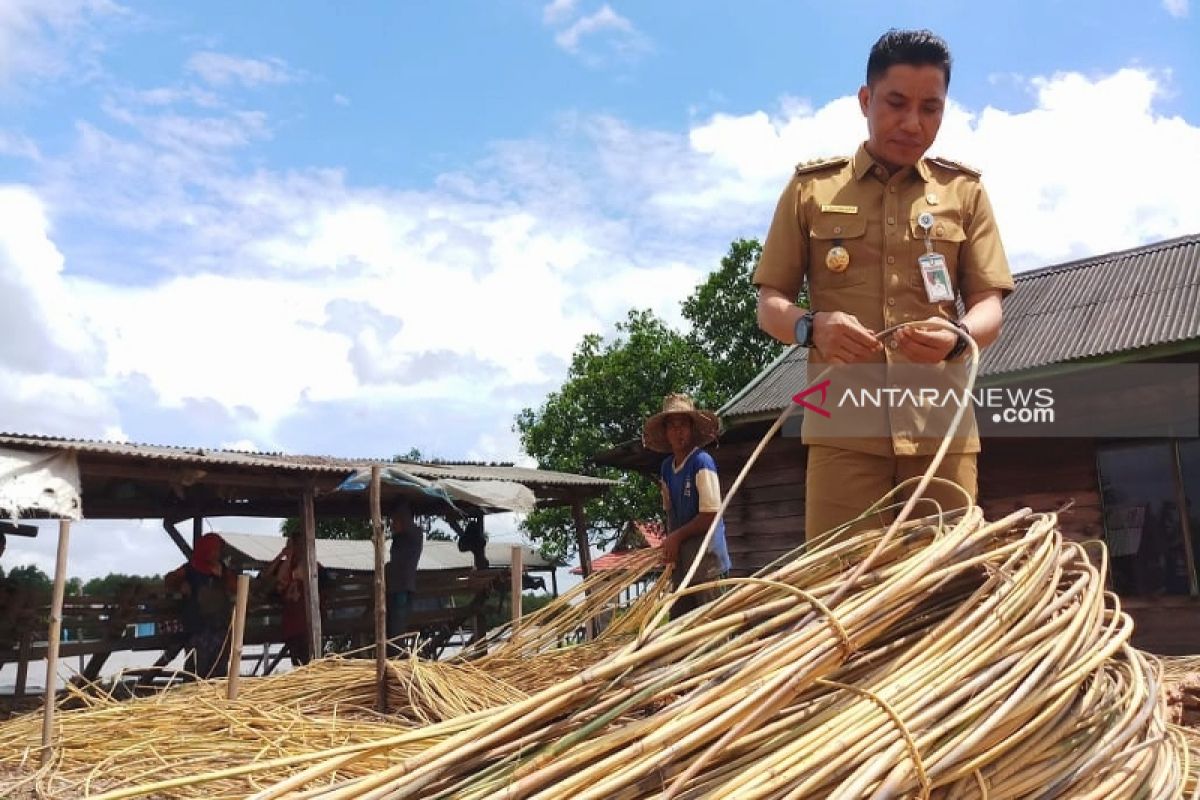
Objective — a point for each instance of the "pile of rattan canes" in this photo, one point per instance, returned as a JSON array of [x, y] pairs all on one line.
[[946, 657], [957, 658]]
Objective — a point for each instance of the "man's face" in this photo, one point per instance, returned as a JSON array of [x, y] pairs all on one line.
[[679, 431], [904, 111]]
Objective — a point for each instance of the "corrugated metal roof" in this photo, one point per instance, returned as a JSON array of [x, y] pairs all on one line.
[[360, 555], [298, 463], [1100, 306]]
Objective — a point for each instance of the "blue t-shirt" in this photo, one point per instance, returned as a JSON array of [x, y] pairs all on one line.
[[685, 497]]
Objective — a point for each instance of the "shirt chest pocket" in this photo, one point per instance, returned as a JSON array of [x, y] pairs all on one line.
[[838, 251]]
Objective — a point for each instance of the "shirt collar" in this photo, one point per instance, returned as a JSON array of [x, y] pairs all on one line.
[[863, 162]]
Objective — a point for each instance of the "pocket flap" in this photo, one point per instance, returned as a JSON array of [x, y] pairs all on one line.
[[943, 230], [838, 226]]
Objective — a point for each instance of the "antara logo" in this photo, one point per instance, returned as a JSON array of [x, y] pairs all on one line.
[[823, 388]]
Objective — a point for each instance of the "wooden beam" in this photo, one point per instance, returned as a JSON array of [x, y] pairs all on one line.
[[23, 655], [585, 552], [56, 610], [197, 529], [239, 634], [581, 537], [177, 538], [380, 594], [516, 572], [208, 476], [309, 522]]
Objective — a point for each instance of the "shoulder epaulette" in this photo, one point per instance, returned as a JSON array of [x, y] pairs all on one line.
[[818, 164], [958, 166]]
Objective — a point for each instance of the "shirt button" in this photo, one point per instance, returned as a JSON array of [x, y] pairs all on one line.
[[892, 344], [891, 220], [891, 259], [880, 173], [837, 229], [891, 301]]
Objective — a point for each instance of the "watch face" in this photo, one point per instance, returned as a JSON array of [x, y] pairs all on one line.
[[804, 331]]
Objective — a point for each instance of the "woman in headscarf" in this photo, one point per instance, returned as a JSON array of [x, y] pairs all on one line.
[[208, 588]]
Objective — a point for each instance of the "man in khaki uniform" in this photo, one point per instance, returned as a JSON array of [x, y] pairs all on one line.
[[883, 237]]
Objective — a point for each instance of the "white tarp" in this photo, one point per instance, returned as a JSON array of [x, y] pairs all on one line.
[[39, 482], [491, 494]]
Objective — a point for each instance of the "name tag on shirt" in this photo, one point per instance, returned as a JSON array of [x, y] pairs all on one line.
[[936, 277]]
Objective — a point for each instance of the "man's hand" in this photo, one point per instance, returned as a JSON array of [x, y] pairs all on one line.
[[670, 548], [842, 339], [926, 345]]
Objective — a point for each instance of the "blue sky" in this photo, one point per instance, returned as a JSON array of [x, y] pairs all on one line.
[[356, 228]]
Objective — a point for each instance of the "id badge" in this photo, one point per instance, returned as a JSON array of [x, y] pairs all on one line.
[[937, 278]]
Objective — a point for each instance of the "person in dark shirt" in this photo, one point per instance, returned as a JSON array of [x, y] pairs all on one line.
[[207, 587], [408, 540]]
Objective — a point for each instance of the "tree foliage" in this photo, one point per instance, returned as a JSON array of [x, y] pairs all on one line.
[[613, 384], [30, 578], [723, 317], [114, 583]]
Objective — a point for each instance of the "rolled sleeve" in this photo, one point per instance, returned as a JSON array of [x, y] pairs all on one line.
[[782, 263], [708, 491], [982, 263]]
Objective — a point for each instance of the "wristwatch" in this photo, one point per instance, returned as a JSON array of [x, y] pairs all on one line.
[[960, 342], [804, 330]]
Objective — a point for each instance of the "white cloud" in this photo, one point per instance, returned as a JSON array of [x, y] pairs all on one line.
[[50, 38], [261, 302], [19, 146], [41, 327], [613, 35], [222, 69], [301, 289], [341, 100], [1176, 8], [1047, 168], [50, 360], [559, 11]]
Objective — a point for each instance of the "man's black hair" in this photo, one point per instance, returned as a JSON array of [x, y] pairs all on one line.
[[915, 48]]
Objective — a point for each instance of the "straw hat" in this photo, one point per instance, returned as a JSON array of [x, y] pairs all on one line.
[[705, 425]]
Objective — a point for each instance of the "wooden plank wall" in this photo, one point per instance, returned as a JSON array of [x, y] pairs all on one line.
[[1044, 475], [766, 519]]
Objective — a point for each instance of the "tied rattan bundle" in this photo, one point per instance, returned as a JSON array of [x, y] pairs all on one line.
[[971, 660], [967, 660], [949, 657]]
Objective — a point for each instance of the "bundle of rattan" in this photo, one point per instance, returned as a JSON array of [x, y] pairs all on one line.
[[974, 660], [323, 706]]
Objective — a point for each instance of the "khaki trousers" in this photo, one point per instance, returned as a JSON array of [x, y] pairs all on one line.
[[841, 484]]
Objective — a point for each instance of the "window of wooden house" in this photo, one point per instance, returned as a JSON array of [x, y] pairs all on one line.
[[1141, 489], [1189, 475]]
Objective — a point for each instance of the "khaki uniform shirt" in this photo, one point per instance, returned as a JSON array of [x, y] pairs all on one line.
[[854, 203]]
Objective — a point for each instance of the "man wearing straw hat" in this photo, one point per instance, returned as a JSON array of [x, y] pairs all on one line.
[[882, 238], [691, 494]]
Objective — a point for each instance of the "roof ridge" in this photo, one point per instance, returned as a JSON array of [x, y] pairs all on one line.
[[1091, 261], [761, 376]]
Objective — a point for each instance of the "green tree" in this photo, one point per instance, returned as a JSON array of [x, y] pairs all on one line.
[[332, 527], [611, 387], [30, 577], [724, 326], [114, 583]]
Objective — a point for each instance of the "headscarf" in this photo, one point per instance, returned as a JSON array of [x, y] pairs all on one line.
[[206, 555]]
